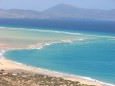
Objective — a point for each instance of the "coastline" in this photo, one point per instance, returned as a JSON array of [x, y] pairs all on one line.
[[9, 65], [62, 32]]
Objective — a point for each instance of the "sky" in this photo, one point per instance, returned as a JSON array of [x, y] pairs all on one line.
[[41, 5]]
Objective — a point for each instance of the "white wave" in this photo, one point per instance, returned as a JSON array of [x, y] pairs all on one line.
[[61, 32], [38, 48], [2, 53], [52, 31], [64, 32], [42, 46], [110, 37], [2, 27]]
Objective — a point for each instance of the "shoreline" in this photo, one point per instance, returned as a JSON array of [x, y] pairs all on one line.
[[20, 66], [62, 32], [12, 65]]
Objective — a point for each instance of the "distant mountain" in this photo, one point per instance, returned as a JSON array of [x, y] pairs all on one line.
[[60, 11], [16, 13], [68, 11]]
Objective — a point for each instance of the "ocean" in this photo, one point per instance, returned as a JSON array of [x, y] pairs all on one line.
[[93, 58]]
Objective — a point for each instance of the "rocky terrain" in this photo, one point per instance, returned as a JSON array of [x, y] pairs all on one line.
[[28, 79]]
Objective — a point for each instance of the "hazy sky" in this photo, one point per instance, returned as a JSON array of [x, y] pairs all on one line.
[[44, 4]]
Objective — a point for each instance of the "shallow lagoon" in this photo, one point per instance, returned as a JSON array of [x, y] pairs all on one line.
[[91, 56]]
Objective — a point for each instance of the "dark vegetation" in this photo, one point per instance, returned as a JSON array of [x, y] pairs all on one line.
[[28, 79]]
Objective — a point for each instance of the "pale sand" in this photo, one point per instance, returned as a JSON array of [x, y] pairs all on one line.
[[3, 46], [9, 65]]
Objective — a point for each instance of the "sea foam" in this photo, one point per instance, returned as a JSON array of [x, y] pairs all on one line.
[[47, 44], [61, 32]]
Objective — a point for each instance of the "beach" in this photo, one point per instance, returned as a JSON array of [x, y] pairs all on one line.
[[11, 66], [31, 42]]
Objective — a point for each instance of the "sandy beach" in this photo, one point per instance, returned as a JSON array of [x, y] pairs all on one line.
[[13, 66], [8, 65]]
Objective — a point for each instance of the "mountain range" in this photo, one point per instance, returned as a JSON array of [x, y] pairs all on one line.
[[60, 11]]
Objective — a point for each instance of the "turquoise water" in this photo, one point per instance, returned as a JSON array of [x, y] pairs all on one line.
[[93, 58]]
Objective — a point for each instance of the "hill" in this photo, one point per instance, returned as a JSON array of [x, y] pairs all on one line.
[[60, 11], [68, 11], [29, 79], [17, 13]]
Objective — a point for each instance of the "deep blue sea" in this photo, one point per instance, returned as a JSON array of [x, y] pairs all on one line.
[[91, 58]]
